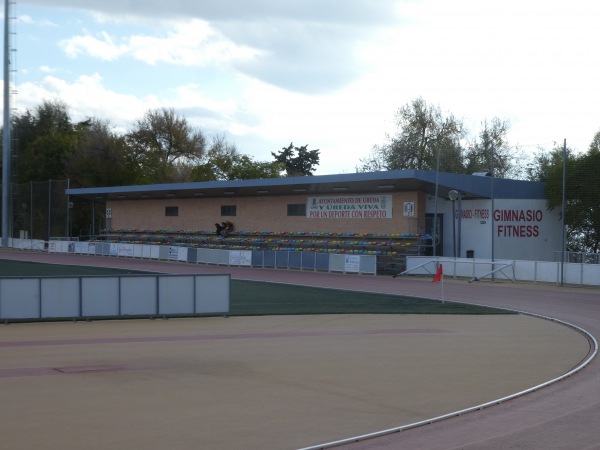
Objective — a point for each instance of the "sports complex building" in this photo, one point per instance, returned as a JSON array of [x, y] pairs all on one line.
[[387, 215]]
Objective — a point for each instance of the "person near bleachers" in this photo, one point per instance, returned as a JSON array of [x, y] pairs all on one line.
[[220, 228]]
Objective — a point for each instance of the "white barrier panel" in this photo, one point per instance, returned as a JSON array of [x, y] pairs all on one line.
[[352, 263], [146, 251], [27, 244], [202, 255], [78, 247], [113, 296], [19, 298], [139, 296], [547, 272], [525, 270], [61, 297], [336, 263], [368, 264], [58, 246], [213, 256], [100, 296], [240, 258], [182, 254], [591, 274], [176, 295], [125, 250], [173, 253], [163, 252], [212, 294], [572, 273], [155, 252], [137, 250]]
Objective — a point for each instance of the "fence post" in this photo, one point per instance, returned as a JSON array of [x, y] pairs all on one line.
[[49, 207]]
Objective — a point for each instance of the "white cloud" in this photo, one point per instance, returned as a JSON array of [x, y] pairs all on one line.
[[25, 19], [190, 43], [102, 47], [46, 69], [87, 97]]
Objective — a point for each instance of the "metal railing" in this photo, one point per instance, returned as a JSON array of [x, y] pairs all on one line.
[[578, 257]]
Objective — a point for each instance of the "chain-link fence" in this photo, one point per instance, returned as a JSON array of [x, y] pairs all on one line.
[[40, 210]]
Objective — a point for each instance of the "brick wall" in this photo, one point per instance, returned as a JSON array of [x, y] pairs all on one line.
[[268, 213]]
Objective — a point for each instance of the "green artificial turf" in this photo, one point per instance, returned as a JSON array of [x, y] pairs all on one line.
[[265, 298], [9, 268]]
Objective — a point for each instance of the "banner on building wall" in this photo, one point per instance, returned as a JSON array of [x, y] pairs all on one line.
[[368, 206]]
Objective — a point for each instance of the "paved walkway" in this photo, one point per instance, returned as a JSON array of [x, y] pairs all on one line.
[[284, 382]]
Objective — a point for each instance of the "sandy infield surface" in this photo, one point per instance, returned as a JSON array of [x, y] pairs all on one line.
[[280, 382]]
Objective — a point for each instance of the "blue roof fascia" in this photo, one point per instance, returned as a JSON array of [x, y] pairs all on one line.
[[478, 186], [262, 182]]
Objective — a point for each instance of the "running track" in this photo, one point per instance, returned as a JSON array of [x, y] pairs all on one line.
[[565, 415]]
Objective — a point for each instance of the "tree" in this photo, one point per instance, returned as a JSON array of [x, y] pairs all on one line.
[[222, 161], [159, 141], [493, 137], [99, 157], [582, 210], [43, 140], [422, 132], [543, 162], [297, 161]]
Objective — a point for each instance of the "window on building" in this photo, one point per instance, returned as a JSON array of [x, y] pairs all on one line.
[[171, 210], [228, 210], [296, 209]]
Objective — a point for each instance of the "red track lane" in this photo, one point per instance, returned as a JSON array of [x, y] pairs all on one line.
[[565, 415]]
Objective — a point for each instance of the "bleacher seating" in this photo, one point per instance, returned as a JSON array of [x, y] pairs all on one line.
[[390, 249]]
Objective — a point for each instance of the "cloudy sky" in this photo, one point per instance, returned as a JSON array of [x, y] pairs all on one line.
[[327, 73]]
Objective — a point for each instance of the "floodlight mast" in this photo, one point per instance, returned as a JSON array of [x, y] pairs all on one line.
[[6, 181]]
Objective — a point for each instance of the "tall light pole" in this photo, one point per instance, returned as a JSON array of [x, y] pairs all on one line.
[[435, 230], [492, 195], [453, 194], [564, 188], [6, 181]]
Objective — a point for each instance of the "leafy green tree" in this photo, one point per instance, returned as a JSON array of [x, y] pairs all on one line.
[[543, 162], [297, 161], [422, 131], [43, 140], [99, 157], [160, 140], [223, 162], [582, 209]]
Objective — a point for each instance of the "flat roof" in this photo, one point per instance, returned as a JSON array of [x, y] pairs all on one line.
[[471, 186]]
